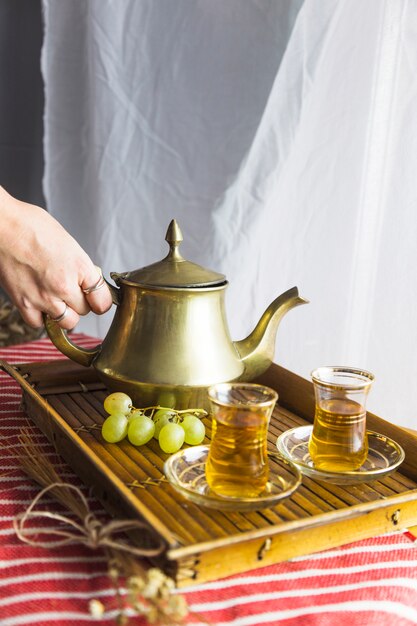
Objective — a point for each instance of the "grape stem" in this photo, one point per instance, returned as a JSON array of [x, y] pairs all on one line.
[[196, 412]]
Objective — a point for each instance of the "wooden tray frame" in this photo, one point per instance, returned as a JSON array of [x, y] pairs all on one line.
[[318, 516]]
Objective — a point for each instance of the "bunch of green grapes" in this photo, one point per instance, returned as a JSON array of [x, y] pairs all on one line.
[[170, 427]]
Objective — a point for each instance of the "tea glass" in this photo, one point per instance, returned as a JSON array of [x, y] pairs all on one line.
[[237, 463], [339, 442]]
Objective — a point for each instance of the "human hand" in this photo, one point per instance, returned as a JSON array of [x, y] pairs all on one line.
[[43, 269]]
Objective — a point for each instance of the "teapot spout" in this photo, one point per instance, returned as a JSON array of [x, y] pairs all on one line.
[[257, 350]]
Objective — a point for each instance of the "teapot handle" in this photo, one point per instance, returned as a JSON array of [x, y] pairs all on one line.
[[58, 336]]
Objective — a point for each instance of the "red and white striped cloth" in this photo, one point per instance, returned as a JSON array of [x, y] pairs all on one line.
[[368, 583]]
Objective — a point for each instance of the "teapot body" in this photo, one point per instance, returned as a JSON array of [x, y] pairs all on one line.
[[166, 346]]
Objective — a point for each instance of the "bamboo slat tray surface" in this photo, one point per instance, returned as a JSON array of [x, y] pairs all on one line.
[[65, 400]]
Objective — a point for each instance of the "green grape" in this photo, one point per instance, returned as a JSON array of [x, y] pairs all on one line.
[[171, 437], [141, 430], [160, 418], [167, 398], [134, 413], [117, 402], [114, 428], [161, 412], [194, 429]]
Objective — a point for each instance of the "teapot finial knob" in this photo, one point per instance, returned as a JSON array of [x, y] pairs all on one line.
[[174, 238]]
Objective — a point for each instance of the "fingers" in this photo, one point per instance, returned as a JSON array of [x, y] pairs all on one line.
[[70, 320], [32, 317], [61, 313], [67, 319], [96, 292], [70, 300], [92, 295]]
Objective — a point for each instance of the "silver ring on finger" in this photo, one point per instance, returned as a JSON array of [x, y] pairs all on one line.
[[99, 284], [63, 314]]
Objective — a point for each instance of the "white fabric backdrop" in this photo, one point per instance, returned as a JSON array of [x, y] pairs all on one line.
[[282, 136]]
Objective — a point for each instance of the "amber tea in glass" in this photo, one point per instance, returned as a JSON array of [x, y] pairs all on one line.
[[237, 463], [339, 442]]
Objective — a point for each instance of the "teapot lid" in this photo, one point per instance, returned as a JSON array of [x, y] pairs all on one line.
[[174, 270]]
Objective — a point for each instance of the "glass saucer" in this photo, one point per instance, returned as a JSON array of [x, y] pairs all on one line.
[[384, 456], [185, 470]]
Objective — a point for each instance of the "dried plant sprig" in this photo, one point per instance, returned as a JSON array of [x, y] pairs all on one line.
[[150, 592], [38, 467], [156, 589]]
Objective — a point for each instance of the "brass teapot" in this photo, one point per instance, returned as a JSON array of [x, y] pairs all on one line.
[[169, 340]]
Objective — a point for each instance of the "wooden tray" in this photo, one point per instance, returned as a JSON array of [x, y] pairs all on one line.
[[65, 400]]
